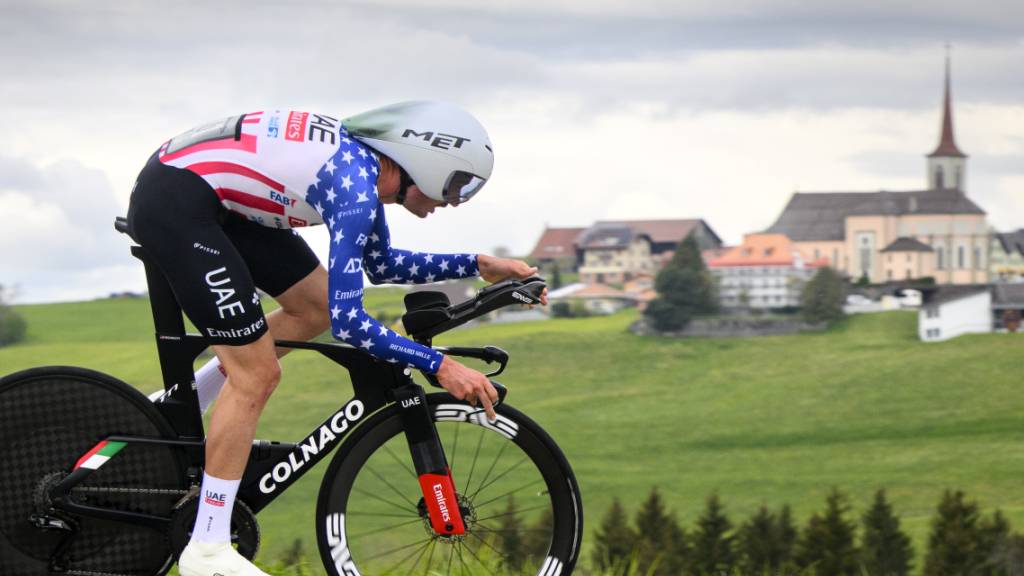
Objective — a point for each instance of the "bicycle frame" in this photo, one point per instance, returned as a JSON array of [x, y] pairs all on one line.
[[272, 466]]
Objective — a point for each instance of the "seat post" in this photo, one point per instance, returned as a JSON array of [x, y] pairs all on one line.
[[176, 351]]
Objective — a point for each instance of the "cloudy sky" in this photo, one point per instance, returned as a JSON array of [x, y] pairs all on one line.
[[597, 109]]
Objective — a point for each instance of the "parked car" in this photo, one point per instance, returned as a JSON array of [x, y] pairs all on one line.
[[857, 300], [909, 298]]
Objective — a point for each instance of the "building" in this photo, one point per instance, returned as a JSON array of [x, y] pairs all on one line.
[[557, 247], [765, 271], [594, 298], [617, 251], [951, 311], [614, 251], [1006, 257], [937, 232]]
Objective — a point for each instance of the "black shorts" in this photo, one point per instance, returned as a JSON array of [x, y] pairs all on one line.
[[213, 258]]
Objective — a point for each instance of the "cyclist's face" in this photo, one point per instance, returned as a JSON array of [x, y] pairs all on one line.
[[419, 203]]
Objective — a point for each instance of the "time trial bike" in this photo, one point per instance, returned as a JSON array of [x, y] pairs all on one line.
[[97, 480]]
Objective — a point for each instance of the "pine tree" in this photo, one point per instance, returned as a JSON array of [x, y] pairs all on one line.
[[822, 297], [761, 545], [685, 289], [993, 534], [537, 539], [614, 541], [656, 533], [954, 538], [885, 549], [826, 547], [713, 551], [510, 537], [787, 538]]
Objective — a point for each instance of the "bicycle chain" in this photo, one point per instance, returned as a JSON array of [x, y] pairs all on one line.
[[117, 490]]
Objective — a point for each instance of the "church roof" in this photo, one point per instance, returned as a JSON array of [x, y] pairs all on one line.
[[906, 244], [947, 146], [1012, 241], [822, 216]]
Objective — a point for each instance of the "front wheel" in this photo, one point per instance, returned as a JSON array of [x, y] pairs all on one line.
[[517, 494]]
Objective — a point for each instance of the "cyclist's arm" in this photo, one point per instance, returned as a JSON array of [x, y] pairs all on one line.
[[351, 324], [385, 264]]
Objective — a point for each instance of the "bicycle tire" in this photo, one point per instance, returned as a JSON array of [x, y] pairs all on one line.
[[51, 416], [370, 489]]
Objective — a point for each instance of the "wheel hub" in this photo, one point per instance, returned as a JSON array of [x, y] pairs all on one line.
[[466, 509]]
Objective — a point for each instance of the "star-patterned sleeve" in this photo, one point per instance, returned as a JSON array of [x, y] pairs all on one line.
[[346, 196], [385, 264]]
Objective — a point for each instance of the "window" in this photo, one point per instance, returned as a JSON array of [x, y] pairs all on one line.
[[938, 177], [960, 257], [977, 257], [931, 312], [835, 257], [908, 256], [817, 254], [888, 274], [940, 258], [910, 274]]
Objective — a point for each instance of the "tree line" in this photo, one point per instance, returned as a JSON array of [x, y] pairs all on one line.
[[833, 541]]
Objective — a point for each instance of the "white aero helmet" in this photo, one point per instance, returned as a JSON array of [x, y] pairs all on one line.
[[442, 148]]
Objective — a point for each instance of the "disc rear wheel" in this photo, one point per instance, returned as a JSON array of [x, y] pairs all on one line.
[[49, 418]]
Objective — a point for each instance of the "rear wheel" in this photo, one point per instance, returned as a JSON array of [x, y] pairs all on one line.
[[517, 494], [49, 418]]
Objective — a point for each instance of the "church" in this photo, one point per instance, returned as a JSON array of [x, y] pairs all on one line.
[[936, 232]]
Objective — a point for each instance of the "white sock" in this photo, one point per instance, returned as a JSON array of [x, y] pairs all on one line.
[[209, 380], [216, 500]]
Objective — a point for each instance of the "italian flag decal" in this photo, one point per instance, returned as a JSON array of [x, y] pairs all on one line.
[[99, 455]]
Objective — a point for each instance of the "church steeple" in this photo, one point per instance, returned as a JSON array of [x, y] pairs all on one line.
[[947, 164]]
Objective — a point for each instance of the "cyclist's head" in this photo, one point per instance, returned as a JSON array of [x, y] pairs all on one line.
[[438, 146]]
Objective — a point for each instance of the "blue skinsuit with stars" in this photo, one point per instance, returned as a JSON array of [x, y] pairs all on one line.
[[345, 195]]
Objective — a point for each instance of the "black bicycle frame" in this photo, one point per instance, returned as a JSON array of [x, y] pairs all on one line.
[[272, 466]]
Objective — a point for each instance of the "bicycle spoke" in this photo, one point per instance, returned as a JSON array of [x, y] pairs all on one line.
[[386, 528], [451, 555], [517, 511], [420, 557], [476, 455], [393, 550], [430, 558], [490, 530], [470, 550], [489, 545], [389, 502], [390, 485], [455, 450], [462, 561], [492, 468], [376, 514], [399, 460], [410, 555], [500, 476], [527, 485]]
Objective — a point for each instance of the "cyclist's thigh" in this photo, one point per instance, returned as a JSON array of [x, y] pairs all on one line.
[[277, 258], [175, 216]]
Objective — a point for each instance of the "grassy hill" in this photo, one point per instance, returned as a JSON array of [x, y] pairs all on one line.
[[759, 421]]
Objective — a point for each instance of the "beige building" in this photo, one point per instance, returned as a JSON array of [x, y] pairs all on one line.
[[937, 232], [1006, 257]]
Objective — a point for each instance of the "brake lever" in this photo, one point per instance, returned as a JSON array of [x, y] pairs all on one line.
[[489, 354]]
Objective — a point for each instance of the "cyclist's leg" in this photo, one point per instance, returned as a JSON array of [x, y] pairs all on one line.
[[303, 313]]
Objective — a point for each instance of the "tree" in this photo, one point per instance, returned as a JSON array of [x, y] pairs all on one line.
[[826, 547], [953, 541], [12, 325], [885, 549], [556, 277], [765, 542], [822, 298], [713, 546], [993, 534], [660, 542], [685, 289], [510, 537], [614, 541]]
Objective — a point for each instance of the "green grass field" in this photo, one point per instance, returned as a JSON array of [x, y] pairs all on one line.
[[759, 421]]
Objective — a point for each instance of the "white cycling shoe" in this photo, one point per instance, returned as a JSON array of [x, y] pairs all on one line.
[[215, 559]]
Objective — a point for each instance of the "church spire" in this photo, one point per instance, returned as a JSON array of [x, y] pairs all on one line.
[[947, 146], [947, 165]]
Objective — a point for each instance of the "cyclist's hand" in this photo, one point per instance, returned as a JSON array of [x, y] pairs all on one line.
[[493, 269], [467, 384]]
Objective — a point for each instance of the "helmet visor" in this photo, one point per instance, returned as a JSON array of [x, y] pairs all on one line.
[[461, 186]]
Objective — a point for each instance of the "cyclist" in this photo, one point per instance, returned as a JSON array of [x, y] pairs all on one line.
[[216, 206]]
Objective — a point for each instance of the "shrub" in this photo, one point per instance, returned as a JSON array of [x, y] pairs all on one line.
[[822, 297]]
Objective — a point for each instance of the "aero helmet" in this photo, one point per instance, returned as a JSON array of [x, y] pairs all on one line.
[[441, 148]]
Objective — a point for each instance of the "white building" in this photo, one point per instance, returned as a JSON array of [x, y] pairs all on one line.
[[954, 311], [766, 271]]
